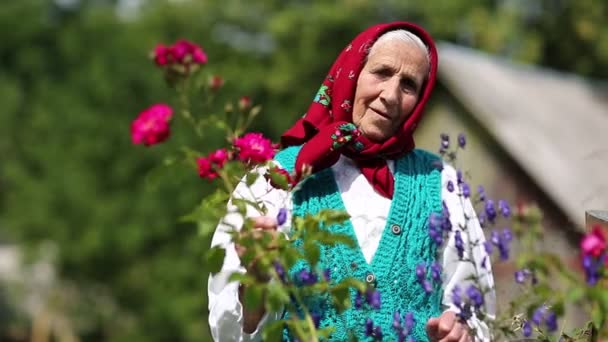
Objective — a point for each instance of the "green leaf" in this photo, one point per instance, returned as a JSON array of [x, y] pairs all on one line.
[[214, 259], [274, 331], [312, 252], [251, 178], [277, 296], [341, 297], [253, 296], [278, 179]]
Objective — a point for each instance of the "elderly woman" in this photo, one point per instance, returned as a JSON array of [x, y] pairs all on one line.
[[373, 98]]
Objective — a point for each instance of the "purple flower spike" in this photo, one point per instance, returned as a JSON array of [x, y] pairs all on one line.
[[475, 296], [316, 318], [459, 244], [462, 140], [482, 193], [373, 299], [436, 271], [282, 216], [490, 210], [466, 190], [450, 186], [280, 270], [504, 208]]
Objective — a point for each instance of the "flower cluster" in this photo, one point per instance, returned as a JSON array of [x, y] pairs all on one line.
[[371, 297], [421, 275], [522, 275], [371, 330], [403, 329], [440, 225], [182, 52], [594, 255], [541, 316], [152, 125], [254, 148], [502, 241], [208, 166], [466, 304]]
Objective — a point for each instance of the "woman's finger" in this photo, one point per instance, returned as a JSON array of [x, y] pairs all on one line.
[[265, 222]]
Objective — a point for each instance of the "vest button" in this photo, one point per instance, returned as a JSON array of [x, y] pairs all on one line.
[[396, 229], [370, 279]]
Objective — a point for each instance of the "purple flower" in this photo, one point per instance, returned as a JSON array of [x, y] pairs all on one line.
[[482, 219], [307, 278], [527, 328], [369, 327], [377, 333], [551, 321], [445, 141], [450, 186], [487, 245], [373, 298], [358, 300], [475, 296], [457, 296], [520, 276], [327, 274], [436, 271], [436, 235], [481, 192], [282, 216], [462, 141], [316, 318], [280, 270], [397, 321], [421, 271], [409, 321], [538, 315], [459, 176], [490, 210], [459, 244], [466, 190], [503, 206], [592, 267], [427, 286]]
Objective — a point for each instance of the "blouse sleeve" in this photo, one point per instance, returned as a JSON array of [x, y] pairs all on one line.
[[457, 272], [225, 310]]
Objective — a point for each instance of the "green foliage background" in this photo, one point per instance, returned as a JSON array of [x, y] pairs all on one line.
[[73, 74]]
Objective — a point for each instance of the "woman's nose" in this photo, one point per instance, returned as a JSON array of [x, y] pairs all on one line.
[[390, 91]]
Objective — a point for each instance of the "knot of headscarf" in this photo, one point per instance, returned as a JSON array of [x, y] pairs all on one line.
[[326, 130]]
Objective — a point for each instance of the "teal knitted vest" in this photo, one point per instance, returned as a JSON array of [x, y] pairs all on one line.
[[404, 244]]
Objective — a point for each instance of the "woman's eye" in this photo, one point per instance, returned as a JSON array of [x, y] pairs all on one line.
[[383, 72]]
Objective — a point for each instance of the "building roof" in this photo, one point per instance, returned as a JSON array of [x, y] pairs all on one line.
[[555, 125]]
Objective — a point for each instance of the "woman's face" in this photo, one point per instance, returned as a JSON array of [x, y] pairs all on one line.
[[388, 88]]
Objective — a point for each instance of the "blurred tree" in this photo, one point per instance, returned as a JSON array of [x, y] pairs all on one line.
[[75, 73]]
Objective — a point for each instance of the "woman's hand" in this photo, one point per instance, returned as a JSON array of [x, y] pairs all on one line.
[[261, 225], [252, 316], [447, 328]]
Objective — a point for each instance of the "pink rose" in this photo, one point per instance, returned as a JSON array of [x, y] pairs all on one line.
[[244, 103], [162, 55], [594, 243], [253, 147], [152, 125], [183, 48], [205, 169], [219, 157]]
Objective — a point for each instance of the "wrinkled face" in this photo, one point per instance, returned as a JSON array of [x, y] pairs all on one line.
[[388, 88]]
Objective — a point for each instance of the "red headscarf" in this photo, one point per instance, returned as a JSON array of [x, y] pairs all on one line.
[[324, 122]]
